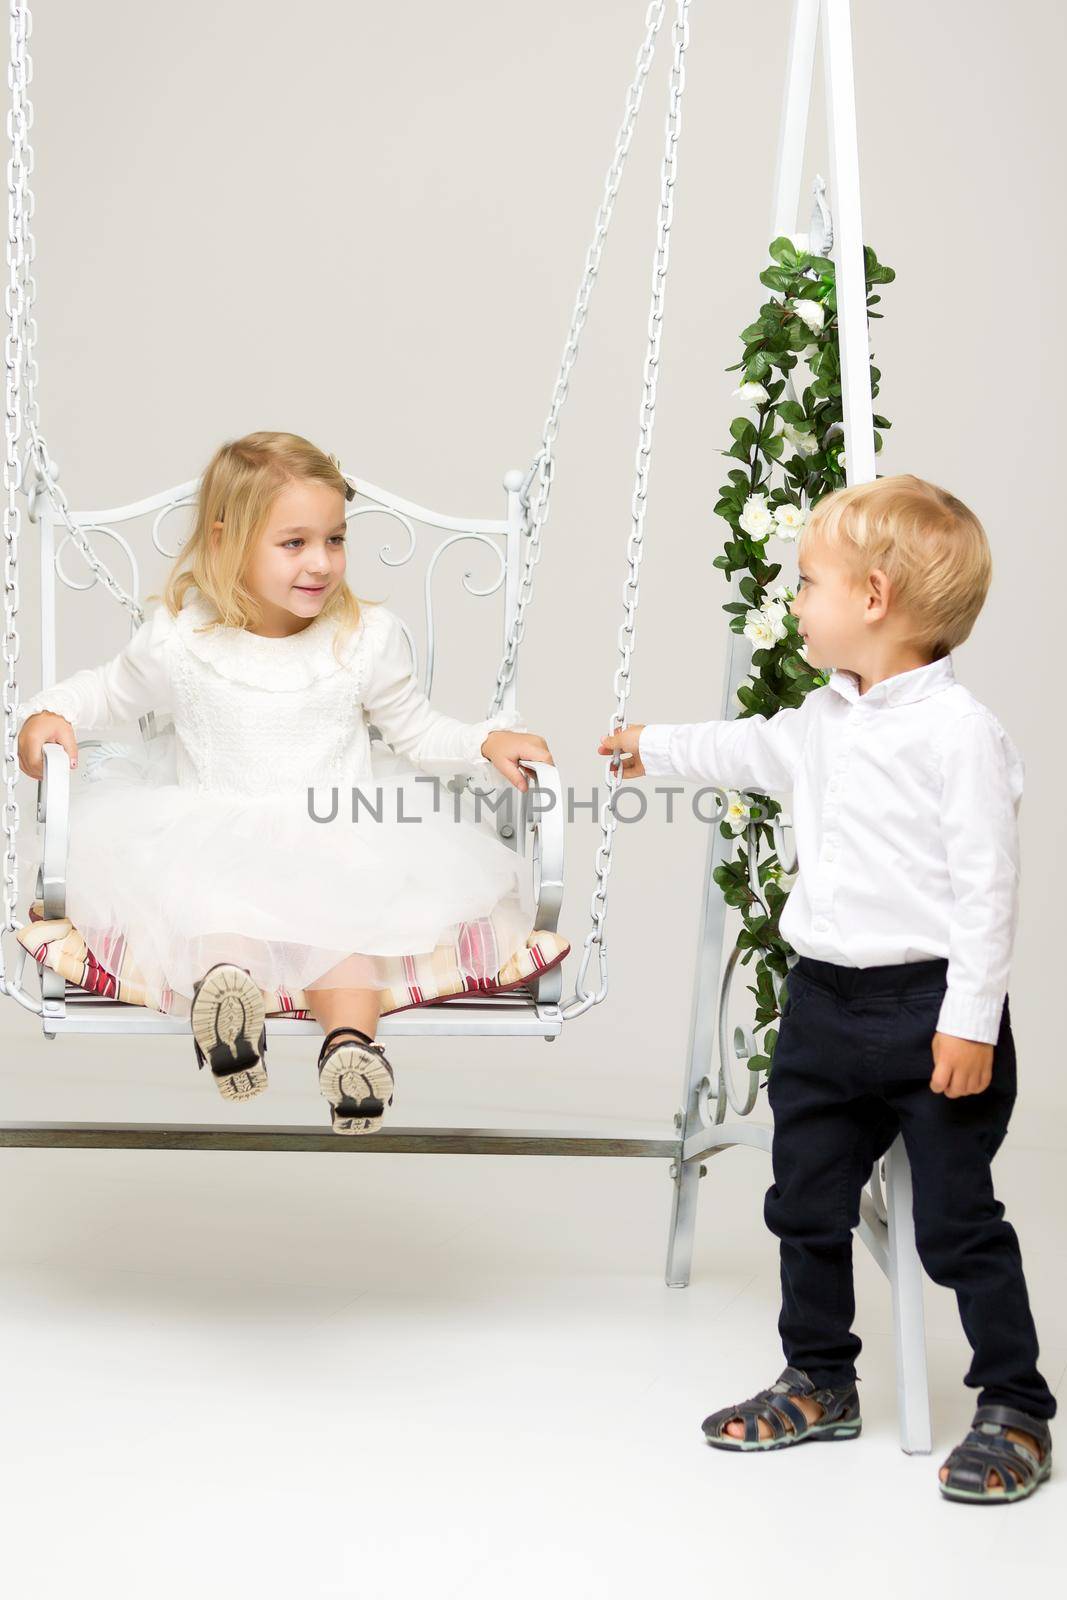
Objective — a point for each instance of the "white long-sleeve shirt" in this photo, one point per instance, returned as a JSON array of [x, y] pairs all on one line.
[[254, 715], [905, 813]]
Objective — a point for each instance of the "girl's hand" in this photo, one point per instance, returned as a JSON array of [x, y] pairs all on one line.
[[505, 749], [44, 727], [631, 765]]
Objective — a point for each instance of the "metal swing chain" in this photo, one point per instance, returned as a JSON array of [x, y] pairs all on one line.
[[544, 465], [21, 410], [36, 454], [17, 192], [583, 998]]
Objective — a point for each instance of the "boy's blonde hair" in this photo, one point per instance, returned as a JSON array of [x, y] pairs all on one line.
[[238, 488], [930, 545]]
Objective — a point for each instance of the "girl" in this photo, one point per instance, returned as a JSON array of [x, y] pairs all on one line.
[[237, 873]]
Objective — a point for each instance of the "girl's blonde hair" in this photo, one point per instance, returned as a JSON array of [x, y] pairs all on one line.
[[238, 489], [930, 545]]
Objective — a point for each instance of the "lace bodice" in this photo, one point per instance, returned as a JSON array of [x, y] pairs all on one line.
[[255, 715]]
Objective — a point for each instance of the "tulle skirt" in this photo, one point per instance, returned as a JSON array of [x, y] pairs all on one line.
[[303, 896]]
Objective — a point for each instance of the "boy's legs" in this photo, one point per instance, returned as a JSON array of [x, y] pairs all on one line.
[[888, 1015]]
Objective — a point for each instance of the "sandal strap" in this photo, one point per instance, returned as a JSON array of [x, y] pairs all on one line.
[[970, 1463], [357, 1033], [1010, 1417], [776, 1406]]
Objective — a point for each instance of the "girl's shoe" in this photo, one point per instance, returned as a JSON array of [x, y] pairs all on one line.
[[357, 1080], [786, 1420], [229, 1026], [988, 1449]]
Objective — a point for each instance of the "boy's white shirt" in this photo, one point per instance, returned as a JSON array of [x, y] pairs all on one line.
[[905, 809]]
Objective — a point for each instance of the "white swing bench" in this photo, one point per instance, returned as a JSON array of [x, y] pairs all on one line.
[[700, 1127], [535, 829]]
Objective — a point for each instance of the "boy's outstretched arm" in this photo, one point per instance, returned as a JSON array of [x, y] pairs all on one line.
[[757, 753]]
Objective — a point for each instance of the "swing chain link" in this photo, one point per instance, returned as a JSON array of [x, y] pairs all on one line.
[[19, 206], [583, 997], [544, 464], [38, 462]]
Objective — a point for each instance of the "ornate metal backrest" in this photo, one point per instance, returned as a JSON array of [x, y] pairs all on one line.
[[503, 537]]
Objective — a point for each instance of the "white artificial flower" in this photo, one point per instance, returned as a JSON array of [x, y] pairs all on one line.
[[775, 612], [802, 439], [737, 813], [766, 625], [790, 520], [756, 518], [754, 394], [783, 593], [758, 628], [810, 312]]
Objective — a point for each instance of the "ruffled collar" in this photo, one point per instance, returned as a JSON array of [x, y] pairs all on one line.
[[294, 662]]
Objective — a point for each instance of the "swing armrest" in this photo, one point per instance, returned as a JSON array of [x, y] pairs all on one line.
[[53, 811], [543, 819]]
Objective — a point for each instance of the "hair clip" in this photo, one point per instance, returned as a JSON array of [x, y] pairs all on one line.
[[350, 488]]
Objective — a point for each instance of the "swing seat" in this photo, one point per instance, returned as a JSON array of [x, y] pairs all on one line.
[[81, 993], [524, 1000]]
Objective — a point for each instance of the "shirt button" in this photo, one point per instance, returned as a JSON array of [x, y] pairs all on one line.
[[821, 924], [829, 852]]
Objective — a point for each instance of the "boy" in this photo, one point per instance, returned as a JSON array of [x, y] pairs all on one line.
[[903, 913]]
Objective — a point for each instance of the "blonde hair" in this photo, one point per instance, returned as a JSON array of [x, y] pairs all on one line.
[[932, 548], [237, 489]]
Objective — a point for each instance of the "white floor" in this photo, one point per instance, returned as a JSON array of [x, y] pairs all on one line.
[[297, 1375]]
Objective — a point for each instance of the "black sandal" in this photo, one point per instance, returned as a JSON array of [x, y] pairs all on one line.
[[228, 1019], [357, 1080], [987, 1448], [786, 1420]]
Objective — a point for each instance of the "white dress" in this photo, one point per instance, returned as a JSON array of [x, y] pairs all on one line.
[[265, 828]]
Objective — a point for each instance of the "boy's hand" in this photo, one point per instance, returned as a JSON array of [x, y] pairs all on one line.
[[961, 1066], [631, 765], [505, 749], [44, 727]]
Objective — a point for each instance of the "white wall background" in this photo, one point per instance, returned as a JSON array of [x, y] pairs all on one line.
[[366, 224]]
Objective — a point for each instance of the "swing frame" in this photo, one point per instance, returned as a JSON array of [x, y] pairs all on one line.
[[700, 1129]]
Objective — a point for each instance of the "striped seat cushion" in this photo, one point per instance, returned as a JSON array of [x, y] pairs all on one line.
[[416, 980]]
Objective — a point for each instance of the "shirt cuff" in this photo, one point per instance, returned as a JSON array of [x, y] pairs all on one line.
[[42, 702], [481, 767], [653, 746], [971, 1016]]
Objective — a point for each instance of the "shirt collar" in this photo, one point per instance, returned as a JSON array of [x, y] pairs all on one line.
[[915, 684]]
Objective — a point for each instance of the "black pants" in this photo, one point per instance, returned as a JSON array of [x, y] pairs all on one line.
[[852, 1067]]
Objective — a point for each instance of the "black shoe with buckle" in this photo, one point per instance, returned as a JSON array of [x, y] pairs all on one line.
[[357, 1080], [228, 1019]]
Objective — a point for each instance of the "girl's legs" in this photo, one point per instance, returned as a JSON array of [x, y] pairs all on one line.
[[334, 1008]]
